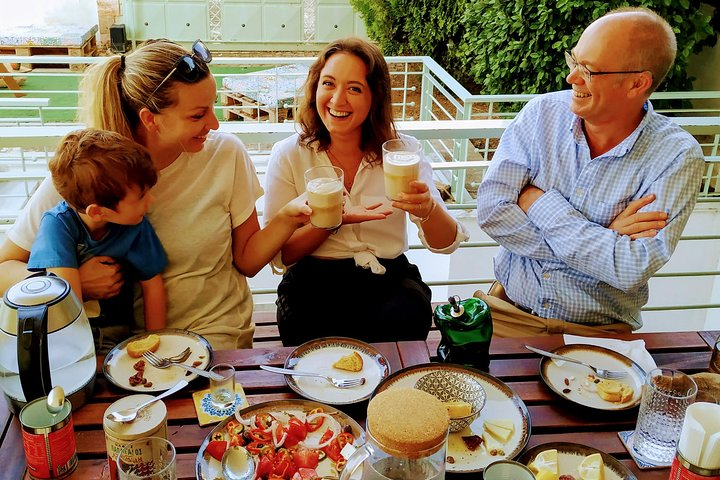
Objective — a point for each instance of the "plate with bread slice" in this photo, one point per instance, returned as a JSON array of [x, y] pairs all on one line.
[[337, 357], [125, 367], [581, 385], [573, 461], [499, 424]]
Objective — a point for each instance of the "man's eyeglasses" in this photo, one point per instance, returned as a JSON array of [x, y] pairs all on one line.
[[586, 73], [187, 67]]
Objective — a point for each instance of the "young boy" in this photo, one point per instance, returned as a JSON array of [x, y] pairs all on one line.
[[105, 179]]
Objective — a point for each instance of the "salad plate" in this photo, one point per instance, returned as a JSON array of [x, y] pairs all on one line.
[[245, 428], [119, 366], [571, 454], [319, 355], [466, 455], [578, 384]]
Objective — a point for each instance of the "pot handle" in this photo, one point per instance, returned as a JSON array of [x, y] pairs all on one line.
[[32, 351], [355, 460]]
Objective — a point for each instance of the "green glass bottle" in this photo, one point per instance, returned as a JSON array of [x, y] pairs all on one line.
[[466, 330]]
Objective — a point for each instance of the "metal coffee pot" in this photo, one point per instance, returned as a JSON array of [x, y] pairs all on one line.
[[45, 341]]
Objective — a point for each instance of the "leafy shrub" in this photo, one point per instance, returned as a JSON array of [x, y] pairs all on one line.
[[414, 27], [516, 46]]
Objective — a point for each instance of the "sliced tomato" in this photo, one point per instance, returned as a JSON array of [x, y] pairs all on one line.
[[326, 436], [333, 451], [306, 458], [307, 473], [297, 429], [315, 423], [283, 465], [216, 449], [264, 467]]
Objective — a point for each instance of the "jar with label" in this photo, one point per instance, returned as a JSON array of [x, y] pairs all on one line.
[[150, 422]]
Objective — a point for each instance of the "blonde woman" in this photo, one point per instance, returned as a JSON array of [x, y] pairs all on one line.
[[162, 96]]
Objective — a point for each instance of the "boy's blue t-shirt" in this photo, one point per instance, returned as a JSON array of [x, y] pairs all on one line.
[[63, 240]]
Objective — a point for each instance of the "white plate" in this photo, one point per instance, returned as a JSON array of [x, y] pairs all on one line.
[[501, 402], [554, 373], [208, 468], [319, 355], [571, 454], [118, 365]]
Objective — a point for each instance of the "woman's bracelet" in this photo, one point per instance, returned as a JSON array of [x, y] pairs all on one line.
[[432, 209]]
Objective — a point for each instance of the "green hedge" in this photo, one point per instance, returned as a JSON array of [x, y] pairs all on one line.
[[516, 46]]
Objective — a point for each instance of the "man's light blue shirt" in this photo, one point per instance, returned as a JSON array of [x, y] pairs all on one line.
[[561, 259]]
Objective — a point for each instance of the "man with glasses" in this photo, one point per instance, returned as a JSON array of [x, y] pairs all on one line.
[[590, 188]]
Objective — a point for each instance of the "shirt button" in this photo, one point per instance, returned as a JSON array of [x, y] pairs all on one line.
[[546, 305], [546, 276], [579, 192]]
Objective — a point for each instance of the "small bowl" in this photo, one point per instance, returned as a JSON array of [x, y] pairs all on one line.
[[455, 386]]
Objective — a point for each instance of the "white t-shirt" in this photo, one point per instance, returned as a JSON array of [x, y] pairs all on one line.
[[365, 242], [199, 199]]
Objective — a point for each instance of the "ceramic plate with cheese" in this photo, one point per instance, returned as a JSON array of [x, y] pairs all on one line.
[[338, 357], [501, 430], [579, 384], [573, 461]]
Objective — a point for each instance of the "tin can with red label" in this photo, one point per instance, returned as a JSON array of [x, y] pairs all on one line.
[[683, 470], [48, 440]]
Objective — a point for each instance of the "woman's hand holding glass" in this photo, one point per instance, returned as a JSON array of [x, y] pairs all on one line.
[[419, 203], [296, 211]]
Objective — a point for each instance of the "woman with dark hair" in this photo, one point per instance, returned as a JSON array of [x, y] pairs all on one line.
[[354, 281], [162, 96]]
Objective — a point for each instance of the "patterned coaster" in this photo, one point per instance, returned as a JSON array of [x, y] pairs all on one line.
[[207, 413], [643, 464]]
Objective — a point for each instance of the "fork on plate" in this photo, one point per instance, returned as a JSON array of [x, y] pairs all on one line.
[[159, 362], [600, 372], [338, 382]]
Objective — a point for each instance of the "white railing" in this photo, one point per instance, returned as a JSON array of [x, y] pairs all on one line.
[[432, 106]]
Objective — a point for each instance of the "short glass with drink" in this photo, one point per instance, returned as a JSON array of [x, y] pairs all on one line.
[[401, 165], [666, 395], [222, 388], [324, 186], [150, 458]]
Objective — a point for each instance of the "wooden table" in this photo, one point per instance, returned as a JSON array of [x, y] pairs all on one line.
[[553, 419]]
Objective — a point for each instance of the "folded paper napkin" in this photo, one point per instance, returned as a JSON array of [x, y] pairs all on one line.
[[633, 349]]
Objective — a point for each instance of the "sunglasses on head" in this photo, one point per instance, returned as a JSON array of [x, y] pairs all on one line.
[[187, 67]]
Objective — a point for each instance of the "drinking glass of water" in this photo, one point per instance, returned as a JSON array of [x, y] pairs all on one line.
[[222, 390], [666, 395]]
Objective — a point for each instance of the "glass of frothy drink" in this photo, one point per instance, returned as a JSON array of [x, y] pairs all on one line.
[[324, 187], [401, 165]]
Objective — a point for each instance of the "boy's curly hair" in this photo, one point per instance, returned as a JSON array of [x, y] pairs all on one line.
[[94, 166]]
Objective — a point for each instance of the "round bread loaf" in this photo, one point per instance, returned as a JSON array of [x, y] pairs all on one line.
[[408, 422]]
